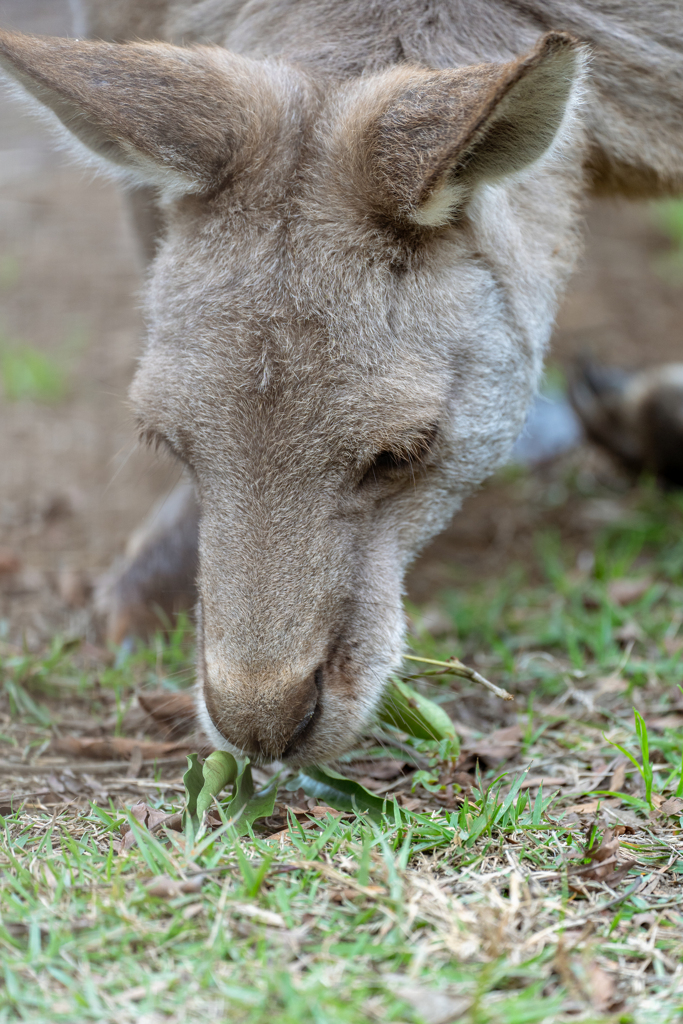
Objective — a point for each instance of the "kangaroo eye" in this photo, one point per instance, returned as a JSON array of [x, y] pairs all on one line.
[[390, 461], [406, 459]]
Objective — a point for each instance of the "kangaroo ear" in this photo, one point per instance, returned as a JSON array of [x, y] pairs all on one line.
[[165, 115], [438, 134]]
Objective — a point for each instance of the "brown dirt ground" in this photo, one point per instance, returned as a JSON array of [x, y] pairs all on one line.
[[73, 483]]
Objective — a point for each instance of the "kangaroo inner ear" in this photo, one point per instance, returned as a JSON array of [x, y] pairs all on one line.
[[442, 133], [167, 115]]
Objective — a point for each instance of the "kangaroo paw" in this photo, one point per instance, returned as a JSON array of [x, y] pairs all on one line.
[[156, 579]]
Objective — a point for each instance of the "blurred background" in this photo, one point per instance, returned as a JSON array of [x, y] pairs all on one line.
[[74, 483]]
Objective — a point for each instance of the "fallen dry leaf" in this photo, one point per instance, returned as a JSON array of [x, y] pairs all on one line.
[[152, 988], [644, 920], [533, 781], [340, 895], [625, 591], [175, 822], [602, 986], [652, 886], [611, 684], [412, 803], [150, 818], [604, 858], [501, 745], [433, 1007], [111, 748], [55, 784], [322, 810], [165, 887], [268, 917], [616, 783], [283, 836], [673, 721], [590, 807], [629, 633], [672, 805]]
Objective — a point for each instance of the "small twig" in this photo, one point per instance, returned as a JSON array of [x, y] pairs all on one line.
[[457, 668], [92, 767]]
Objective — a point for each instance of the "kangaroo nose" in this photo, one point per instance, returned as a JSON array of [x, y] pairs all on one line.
[[279, 739]]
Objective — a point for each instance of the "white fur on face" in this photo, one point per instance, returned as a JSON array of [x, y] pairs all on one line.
[[442, 204]]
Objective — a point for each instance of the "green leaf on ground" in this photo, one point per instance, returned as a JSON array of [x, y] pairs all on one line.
[[406, 709], [219, 770], [247, 806], [193, 780], [204, 782], [339, 792]]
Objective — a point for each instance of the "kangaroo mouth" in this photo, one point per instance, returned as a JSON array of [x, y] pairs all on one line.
[[275, 722]]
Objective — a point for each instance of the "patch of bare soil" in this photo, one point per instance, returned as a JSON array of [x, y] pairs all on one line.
[[73, 481]]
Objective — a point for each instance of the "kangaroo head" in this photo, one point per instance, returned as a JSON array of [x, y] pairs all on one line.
[[346, 321]]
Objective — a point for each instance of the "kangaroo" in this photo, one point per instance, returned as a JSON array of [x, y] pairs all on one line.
[[370, 211], [636, 417]]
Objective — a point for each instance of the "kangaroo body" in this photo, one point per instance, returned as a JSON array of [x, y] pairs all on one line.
[[370, 211]]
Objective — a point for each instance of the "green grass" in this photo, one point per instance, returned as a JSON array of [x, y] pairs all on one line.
[[485, 899], [668, 216], [26, 373], [571, 614], [90, 933]]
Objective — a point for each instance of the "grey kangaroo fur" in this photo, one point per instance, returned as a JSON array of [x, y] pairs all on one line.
[[370, 212]]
